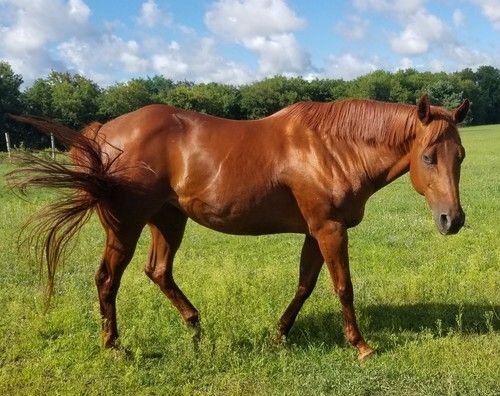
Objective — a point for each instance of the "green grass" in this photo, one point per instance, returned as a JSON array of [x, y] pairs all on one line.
[[429, 304]]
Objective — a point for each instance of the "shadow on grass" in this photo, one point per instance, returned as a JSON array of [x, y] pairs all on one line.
[[389, 327], [379, 322]]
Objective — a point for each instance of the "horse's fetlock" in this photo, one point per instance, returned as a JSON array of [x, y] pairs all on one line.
[[193, 320], [304, 292]]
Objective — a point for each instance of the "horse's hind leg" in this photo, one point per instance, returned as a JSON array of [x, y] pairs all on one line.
[[167, 229], [311, 262], [120, 247]]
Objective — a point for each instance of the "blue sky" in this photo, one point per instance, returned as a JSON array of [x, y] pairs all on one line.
[[239, 41]]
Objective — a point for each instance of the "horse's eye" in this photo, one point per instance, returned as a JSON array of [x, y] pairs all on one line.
[[429, 158]]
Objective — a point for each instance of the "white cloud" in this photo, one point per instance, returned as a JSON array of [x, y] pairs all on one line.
[[169, 65], [39, 22], [41, 35], [103, 58], [35, 24], [409, 42], [424, 34], [353, 28], [406, 63], [151, 15], [79, 10], [406, 7], [491, 10], [436, 65], [245, 19], [416, 40], [467, 57], [458, 18], [348, 67], [132, 59], [213, 67], [421, 31], [278, 53], [265, 27]]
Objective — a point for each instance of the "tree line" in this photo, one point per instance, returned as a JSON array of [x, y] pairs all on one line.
[[75, 100]]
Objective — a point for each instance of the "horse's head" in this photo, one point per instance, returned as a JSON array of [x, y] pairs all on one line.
[[435, 162]]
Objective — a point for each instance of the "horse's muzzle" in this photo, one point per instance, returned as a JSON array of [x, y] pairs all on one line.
[[449, 222]]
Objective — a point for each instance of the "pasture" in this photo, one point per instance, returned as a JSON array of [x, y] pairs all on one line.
[[430, 305]]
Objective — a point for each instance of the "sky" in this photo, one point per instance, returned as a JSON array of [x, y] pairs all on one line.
[[240, 41]]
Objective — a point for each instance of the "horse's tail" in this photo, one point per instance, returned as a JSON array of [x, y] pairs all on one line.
[[88, 180]]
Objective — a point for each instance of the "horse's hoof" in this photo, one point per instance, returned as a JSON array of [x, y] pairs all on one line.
[[279, 340], [195, 328], [110, 342], [197, 333], [366, 354]]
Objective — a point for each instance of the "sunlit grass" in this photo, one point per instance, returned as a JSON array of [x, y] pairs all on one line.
[[429, 303]]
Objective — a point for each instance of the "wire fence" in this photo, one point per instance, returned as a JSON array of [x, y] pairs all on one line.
[[10, 149]]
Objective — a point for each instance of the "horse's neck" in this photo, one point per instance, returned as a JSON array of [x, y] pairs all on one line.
[[377, 164], [370, 140], [394, 163]]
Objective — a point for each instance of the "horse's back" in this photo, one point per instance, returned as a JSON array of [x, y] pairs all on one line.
[[222, 173]]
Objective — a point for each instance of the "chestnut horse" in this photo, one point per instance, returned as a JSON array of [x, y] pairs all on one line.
[[308, 169]]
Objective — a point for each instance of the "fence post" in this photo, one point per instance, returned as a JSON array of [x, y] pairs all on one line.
[[53, 146], [7, 142]]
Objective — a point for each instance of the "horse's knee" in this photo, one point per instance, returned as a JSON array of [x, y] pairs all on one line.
[[345, 294]]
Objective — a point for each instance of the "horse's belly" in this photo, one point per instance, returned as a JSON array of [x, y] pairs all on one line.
[[276, 212]]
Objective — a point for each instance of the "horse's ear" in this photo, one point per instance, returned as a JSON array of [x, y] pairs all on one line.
[[424, 109], [461, 111]]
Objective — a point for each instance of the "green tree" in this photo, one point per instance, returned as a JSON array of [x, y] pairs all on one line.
[[9, 89], [122, 98], [216, 99], [158, 86], [465, 82], [408, 86], [487, 79], [378, 85], [38, 99], [9, 99], [445, 93], [265, 97], [324, 90], [448, 93], [74, 99], [68, 98]]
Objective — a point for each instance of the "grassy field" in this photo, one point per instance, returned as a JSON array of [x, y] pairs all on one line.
[[429, 304]]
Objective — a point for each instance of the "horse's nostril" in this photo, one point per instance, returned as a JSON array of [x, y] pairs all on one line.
[[445, 221]]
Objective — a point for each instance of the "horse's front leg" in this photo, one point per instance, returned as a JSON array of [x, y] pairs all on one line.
[[332, 240]]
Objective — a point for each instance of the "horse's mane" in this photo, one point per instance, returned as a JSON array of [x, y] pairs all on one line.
[[373, 122]]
